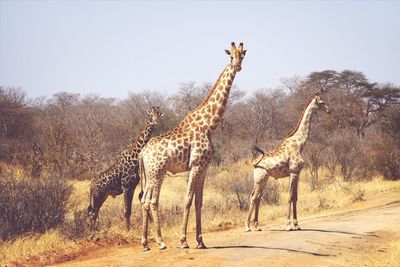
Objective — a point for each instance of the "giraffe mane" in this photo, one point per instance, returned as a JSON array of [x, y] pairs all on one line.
[[202, 104], [293, 131]]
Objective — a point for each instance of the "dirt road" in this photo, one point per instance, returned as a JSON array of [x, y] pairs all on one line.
[[355, 238]]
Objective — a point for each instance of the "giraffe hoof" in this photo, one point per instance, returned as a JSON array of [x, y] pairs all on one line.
[[297, 228], [201, 246], [184, 245], [145, 249], [162, 246], [247, 229], [289, 228], [258, 229]]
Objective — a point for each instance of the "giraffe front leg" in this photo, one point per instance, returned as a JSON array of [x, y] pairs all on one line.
[[128, 195], [98, 201], [294, 201], [294, 180], [194, 172], [289, 227], [198, 202]]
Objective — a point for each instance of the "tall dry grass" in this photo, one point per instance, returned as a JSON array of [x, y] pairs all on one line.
[[221, 208]]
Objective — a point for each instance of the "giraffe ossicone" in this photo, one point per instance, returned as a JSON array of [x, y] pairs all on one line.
[[187, 147], [285, 160], [122, 176]]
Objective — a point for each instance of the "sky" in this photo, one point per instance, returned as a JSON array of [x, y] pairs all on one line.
[[112, 48]]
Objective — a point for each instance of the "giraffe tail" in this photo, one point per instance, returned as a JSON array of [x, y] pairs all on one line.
[[257, 149], [141, 175]]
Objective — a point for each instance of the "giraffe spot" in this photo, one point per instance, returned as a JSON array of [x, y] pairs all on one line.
[[214, 108]]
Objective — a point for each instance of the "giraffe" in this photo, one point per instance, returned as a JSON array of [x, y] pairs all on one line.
[[188, 147], [285, 160], [122, 176]]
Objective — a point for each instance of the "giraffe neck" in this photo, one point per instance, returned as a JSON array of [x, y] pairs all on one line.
[[209, 113], [300, 134], [144, 136]]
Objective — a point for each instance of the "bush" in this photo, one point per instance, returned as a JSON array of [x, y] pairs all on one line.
[[78, 227], [271, 194], [385, 156], [28, 205]]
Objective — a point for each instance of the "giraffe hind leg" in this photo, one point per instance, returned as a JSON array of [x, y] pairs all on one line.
[[145, 217], [257, 208], [251, 208]]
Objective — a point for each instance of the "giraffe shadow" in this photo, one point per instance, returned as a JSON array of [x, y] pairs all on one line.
[[273, 248], [328, 231]]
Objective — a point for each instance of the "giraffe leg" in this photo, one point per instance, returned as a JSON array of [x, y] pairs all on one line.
[[289, 228], [156, 219], [128, 195], [194, 172], [198, 202], [145, 217], [257, 207], [294, 201], [251, 208], [98, 201], [294, 180], [260, 179], [254, 205]]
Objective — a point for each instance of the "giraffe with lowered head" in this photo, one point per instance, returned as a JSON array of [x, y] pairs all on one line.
[[285, 160], [122, 176], [188, 147]]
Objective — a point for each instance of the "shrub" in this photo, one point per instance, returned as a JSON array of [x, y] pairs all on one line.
[[78, 227], [386, 157], [30, 205], [271, 194], [359, 195]]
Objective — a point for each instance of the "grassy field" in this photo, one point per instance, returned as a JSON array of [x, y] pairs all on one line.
[[220, 210]]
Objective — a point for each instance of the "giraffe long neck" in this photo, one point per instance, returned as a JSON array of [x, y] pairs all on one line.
[[300, 134], [209, 113], [143, 137]]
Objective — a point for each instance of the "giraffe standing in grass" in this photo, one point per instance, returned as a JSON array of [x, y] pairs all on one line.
[[122, 176], [285, 160], [187, 147]]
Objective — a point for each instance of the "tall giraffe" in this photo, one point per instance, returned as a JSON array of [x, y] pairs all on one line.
[[187, 147], [285, 160], [122, 176]]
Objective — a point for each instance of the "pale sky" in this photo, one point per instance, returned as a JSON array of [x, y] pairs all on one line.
[[111, 48]]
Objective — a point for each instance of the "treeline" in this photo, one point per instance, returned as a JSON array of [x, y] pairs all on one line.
[[73, 136]]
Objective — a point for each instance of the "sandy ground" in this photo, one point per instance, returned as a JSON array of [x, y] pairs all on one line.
[[350, 238]]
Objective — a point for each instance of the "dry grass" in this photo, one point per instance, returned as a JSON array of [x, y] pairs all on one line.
[[220, 208]]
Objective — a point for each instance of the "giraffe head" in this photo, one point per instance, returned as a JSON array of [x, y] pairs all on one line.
[[237, 54], [154, 115], [320, 104]]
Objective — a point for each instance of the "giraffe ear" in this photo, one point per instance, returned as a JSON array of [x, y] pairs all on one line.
[[148, 112], [162, 114], [228, 52], [244, 52]]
